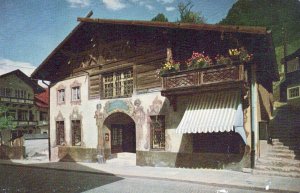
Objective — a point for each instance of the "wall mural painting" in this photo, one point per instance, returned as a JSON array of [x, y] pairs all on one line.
[[153, 110], [75, 115], [139, 118], [59, 117], [99, 116], [118, 106]]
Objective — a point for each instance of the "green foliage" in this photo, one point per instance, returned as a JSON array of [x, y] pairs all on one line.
[[281, 16], [277, 15], [160, 17], [187, 15], [5, 121]]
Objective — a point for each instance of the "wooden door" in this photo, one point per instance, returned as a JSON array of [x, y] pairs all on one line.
[[116, 138]]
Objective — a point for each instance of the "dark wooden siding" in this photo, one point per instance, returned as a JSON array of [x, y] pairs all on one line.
[[145, 71]]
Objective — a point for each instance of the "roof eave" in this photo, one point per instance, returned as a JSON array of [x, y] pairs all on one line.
[[208, 27]]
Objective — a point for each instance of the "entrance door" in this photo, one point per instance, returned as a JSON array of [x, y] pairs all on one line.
[[122, 133], [116, 138], [123, 138], [129, 138]]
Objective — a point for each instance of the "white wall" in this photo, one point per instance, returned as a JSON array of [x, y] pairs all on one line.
[[87, 109]]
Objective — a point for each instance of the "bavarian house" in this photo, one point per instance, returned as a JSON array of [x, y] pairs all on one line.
[[175, 94]]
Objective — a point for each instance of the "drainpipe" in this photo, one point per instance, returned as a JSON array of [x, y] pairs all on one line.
[[254, 127]]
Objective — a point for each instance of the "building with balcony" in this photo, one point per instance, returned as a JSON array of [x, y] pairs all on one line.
[[290, 87], [19, 93], [108, 93]]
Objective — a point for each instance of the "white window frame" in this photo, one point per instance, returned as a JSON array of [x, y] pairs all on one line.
[[75, 93], [291, 88]]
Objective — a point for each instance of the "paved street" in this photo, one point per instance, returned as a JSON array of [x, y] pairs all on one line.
[[27, 179]]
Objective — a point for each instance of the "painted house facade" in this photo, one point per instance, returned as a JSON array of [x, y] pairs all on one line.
[[106, 95]]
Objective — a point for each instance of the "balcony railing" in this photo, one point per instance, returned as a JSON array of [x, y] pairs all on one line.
[[24, 123], [41, 123], [205, 76], [16, 100]]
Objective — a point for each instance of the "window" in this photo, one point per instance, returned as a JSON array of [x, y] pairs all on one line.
[[43, 116], [61, 96], [76, 133], [22, 115], [118, 84], [157, 127], [2, 92], [60, 133], [293, 65], [293, 92], [117, 135], [75, 93], [8, 92]]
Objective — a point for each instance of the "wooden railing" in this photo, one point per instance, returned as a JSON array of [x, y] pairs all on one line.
[[24, 122], [16, 100], [205, 76]]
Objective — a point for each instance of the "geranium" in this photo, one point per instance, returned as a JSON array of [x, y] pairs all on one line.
[[169, 66], [198, 60]]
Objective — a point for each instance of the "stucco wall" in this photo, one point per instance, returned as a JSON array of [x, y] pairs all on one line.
[[151, 103], [139, 107]]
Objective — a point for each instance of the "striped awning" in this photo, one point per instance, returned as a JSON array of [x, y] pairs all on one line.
[[213, 112]]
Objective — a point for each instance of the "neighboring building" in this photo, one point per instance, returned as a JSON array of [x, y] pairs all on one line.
[[290, 88], [106, 96], [42, 105], [18, 92]]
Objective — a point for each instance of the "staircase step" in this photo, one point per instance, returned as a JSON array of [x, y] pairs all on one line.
[[276, 173], [282, 150], [278, 168], [278, 162], [281, 155]]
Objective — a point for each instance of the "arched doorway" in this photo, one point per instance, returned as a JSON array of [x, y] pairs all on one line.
[[122, 133]]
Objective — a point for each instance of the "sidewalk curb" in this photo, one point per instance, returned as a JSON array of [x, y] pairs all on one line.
[[98, 172]]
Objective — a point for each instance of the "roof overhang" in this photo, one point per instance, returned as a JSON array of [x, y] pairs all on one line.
[[54, 58]]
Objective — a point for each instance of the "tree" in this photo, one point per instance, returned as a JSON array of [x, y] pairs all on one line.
[[187, 15], [160, 17], [5, 121]]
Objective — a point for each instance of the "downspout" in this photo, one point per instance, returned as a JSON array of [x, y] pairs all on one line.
[[49, 147], [254, 128]]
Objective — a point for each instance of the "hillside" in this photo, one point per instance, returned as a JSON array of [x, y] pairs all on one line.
[[277, 15]]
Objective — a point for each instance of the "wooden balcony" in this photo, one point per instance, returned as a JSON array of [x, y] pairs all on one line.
[[16, 100], [206, 79], [24, 123]]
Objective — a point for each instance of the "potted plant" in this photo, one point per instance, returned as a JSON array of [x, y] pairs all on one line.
[[168, 67], [223, 60], [198, 60], [240, 55]]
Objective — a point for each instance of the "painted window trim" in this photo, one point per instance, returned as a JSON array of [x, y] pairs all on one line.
[[288, 92]]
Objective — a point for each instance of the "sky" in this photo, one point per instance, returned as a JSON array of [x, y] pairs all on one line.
[[31, 29]]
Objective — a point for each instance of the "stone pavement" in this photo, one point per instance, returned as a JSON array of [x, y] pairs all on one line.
[[126, 168]]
